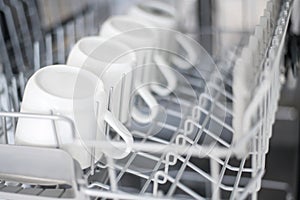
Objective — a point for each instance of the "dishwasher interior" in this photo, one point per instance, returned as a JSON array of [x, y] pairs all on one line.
[[229, 130]]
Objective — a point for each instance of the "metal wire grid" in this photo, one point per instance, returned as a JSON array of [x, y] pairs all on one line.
[[227, 158], [196, 151], [226, 176], [163, 164], [126, 170]]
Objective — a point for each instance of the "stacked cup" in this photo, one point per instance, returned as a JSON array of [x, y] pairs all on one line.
[[78, 95], [98, 85]]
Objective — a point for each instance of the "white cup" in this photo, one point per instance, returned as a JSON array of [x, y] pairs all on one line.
[[144, 41], [114, 63], [163, 16], [160, 15], [137, 36], [78, 95]]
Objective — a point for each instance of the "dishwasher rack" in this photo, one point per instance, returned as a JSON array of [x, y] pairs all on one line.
[[23, 51], [196, 153]]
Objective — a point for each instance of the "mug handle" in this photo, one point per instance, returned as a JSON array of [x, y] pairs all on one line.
[[168, 74], [189, 49], [123, 132], [151, 103]]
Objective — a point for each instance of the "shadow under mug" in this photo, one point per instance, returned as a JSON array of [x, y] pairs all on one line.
[[79, 95], [114, 63]]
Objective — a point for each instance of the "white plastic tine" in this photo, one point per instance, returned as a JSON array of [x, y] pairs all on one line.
[[215, 171], [110, 100], [56, 134], [109, 106], [60, 45], [112, 174], [79, 27], [4, 130], [22, 82], [122, 94], [14, 92], [264, 25], [70, 34], [241, 93], [267, 14], [49, 52], [253, 44], [271, 9], [93, 148], [258, 33], [249, 71], [36, 56]]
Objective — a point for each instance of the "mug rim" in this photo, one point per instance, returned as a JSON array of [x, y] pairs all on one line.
[[130, 57], [110, 23], [99, 83], [138, 8]]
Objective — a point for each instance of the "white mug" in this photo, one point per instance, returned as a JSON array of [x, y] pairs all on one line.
[[134, 34], [114, 63], [163, 16], [78, 95], [143, 40]]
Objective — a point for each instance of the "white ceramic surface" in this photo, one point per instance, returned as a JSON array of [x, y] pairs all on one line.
[[114, 63], [74, 93], [163, 17]]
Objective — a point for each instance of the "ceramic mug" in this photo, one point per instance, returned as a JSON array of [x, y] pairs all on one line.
[[144, 41], [114, 63], [163, 16], [74, 93]]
